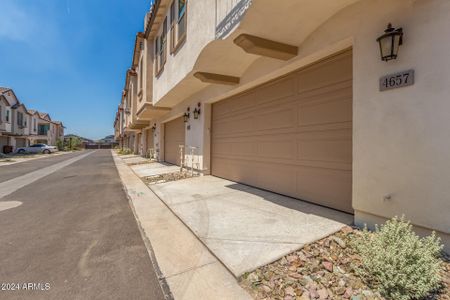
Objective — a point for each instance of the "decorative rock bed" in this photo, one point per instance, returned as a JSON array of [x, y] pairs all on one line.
[[321, 270], [155, 179]]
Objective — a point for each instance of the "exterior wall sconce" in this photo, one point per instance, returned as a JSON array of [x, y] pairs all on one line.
[[197, 111], [187, 115], [389, 42], [154, 127]]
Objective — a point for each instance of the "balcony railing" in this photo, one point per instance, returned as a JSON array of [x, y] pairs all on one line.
[[228, 14]]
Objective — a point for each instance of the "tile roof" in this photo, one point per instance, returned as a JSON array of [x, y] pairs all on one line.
[[4, 89]]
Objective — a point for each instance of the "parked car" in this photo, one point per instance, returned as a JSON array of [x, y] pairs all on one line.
[[37, 148]]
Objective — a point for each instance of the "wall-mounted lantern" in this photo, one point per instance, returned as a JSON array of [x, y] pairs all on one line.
[[187, 115], [154, 127], [389, 42], [197, 111]]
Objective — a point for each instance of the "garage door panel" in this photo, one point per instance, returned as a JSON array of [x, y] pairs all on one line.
[[240, 171], [285, 118], [174, 136], [292, 136], [280, 180], [255, 98], [327, 112], [326, 150], [330, 72], [277, 90], [326, 187], [236, 125], [21, 142], [285, 149]]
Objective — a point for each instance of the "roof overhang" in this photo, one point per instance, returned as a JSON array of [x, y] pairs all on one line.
[[254, 39], [137, 125], [148, 112]]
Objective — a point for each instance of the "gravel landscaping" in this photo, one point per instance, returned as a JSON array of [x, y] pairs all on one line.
[[168, 177], [144, 162], [322, 270]]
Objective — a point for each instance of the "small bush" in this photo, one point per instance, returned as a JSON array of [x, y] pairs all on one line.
[[125, 151], [398, 263]]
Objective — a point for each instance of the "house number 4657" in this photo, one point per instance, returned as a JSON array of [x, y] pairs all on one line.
[[393, 81]]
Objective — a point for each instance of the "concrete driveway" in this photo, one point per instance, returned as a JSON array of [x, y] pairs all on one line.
[[246, 227]]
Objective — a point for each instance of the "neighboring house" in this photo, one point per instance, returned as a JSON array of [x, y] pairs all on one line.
[[21, 127], [297, 98], [59, 129], [5, 122]]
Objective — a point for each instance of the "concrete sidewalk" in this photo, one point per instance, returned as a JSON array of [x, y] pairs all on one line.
[[184, 263], [246, 227]]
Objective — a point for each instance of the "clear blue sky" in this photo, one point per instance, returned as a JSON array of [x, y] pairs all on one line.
[[69, 57]]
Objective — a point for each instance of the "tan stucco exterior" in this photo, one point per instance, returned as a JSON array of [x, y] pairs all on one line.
[[400, 160]]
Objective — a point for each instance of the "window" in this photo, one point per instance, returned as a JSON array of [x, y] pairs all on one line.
[[178, 24], [160, 49], [1, 115], [20, 119], [7, 115], [34, 125], [141, 77]]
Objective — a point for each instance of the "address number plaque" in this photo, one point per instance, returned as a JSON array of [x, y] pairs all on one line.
[[397, 80]]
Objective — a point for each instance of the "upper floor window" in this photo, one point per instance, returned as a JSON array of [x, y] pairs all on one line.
[[1, 114], [20, 119], [7, 116], [178, 24], [141, 76], [34, 125], [160, 48]]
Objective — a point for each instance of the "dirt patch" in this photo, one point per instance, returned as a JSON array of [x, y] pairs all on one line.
[[168, 177], [321, 270]]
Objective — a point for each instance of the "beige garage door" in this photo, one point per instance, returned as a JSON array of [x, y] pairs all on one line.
[[292, 136], [149, 142], [173, 137], [3, 142], [21, 142]]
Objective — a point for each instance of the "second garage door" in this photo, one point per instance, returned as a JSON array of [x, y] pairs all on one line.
[[292, 136], [21, 142], [173, 138]]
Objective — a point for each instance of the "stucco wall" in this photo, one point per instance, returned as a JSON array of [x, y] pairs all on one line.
[[200, 31], [401, 139]]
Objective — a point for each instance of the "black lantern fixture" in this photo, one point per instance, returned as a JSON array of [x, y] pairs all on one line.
[[389, 42], [154, 127], [187, 115], [197, 111]]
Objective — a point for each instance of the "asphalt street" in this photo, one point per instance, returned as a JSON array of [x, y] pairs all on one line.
[[71, 234]]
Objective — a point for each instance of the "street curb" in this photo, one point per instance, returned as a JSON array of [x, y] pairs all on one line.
[[161, 278]]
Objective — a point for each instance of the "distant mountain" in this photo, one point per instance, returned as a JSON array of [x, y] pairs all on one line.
[[107, 139], [83, 139]]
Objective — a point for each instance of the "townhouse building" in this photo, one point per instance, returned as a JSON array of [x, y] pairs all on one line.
[[339, 103], [21, 127]]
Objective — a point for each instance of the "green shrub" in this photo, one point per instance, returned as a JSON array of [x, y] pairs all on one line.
[[125, 151], [398, 263], [60, 144]]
